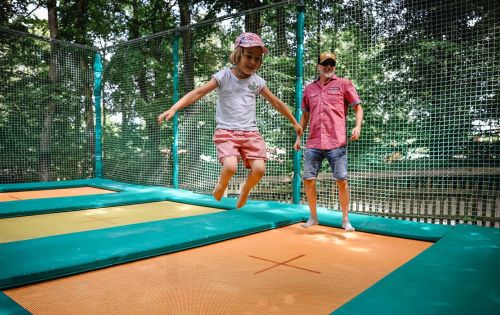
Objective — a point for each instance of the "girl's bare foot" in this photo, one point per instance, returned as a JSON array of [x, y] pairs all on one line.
[[218, 191], [243, 196]]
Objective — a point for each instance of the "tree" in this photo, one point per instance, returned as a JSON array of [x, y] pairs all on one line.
[[47, 132]]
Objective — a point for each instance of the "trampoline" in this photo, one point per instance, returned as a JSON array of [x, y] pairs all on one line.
[[429, 153], [15, 229], [52, 193], [313, 272], [253, 260]]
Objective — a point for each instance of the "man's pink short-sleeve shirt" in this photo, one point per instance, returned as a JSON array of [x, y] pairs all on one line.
[[328, 106]]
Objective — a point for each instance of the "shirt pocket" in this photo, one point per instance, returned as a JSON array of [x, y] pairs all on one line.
[[336, 99], [313, 99], [335, 94]]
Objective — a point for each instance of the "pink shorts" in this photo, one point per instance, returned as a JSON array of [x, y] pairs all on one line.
[[246, 145]]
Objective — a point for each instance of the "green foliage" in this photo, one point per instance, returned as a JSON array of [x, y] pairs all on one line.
[[423, 75], [26, 95], [427, 73]]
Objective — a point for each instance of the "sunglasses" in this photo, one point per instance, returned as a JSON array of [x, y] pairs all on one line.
[[328, 62]]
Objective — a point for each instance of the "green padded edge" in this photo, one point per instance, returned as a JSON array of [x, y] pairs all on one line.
[[127, 194], [458, 275], [49, 257], [45, 185], [384, 226], [10, 307], [92, 182], [56, 256]]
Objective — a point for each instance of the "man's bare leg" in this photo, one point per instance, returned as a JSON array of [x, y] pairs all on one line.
[[344, 198], [311, 194]]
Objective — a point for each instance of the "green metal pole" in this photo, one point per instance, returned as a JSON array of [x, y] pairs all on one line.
[[175, 98], [299, 73], [97, 108]]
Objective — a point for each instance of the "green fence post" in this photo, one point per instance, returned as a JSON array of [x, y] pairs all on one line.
[[299, 72], [97, 108], [175, 98]]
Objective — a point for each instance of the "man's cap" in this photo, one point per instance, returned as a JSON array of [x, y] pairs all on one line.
[[250, 40], [326, 55]]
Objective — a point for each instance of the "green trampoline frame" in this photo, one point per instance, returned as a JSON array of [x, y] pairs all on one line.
[[458, 274]]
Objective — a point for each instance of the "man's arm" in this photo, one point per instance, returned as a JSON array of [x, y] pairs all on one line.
[[356, 131]]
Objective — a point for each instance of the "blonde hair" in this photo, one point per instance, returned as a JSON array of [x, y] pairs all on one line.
[[235, 56]]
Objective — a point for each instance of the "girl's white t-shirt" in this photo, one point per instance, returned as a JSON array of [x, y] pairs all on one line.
[[236, 100]]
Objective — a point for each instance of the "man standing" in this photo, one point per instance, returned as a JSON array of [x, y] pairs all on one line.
[[325, 104]]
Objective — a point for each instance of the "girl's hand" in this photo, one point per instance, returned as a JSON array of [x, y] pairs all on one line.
[[296, 145], [166, 115], [298, 129]]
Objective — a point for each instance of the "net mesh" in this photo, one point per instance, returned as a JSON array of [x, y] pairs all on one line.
[[46, 109], [427, 74], [137, 86], [211, 46]]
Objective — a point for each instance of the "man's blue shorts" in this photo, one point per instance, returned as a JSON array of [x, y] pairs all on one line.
[[336, 157]]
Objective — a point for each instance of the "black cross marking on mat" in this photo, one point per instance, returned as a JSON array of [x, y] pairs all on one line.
[[282, 264], [14, 197]]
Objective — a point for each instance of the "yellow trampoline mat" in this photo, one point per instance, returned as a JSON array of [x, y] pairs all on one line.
[[52, 193], [290, 270], [22, 228]]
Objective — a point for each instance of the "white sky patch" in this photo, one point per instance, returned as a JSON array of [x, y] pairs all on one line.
[[487, 125], [40, 12]]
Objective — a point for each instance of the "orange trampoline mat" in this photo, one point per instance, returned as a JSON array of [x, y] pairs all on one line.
[[290, 270], [52, 193]]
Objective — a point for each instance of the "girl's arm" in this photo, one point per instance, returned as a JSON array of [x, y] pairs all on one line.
[[304, 121], [188, 99], [282, 108]]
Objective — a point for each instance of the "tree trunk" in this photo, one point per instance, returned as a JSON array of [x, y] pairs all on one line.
[[188, 76], [47, 131], [281, 48], [134, 32], [252, 20], [81, 38]]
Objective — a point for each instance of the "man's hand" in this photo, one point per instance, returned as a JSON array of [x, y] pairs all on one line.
[[296, 145], [355, 133]]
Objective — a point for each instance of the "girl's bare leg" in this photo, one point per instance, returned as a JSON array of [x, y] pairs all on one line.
[[229, 168], [257, 170]]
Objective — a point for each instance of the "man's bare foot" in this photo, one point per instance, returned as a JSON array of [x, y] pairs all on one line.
[[310, 222], [218, 191]]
